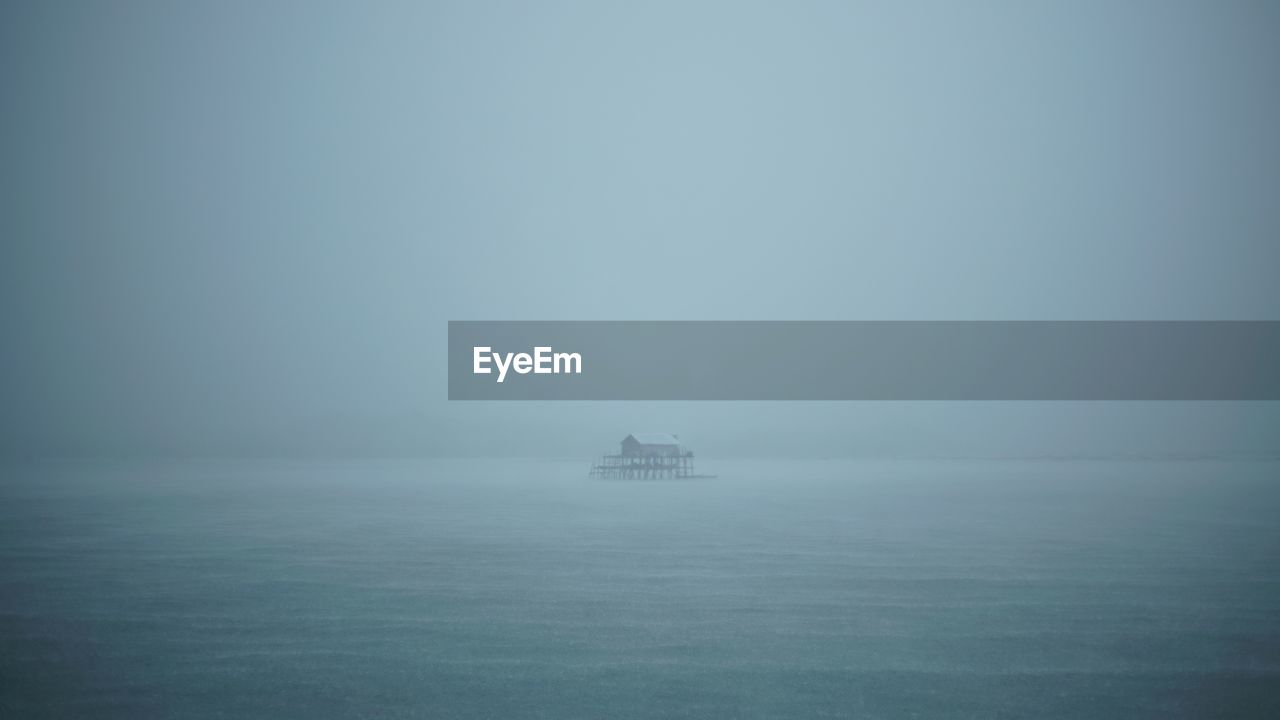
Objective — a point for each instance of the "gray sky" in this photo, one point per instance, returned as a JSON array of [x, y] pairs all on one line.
[[241, 227]]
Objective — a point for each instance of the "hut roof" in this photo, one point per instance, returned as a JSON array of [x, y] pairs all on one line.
[[654, 438]]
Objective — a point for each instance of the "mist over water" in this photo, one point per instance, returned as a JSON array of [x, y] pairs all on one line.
[[236, 229], [239, 229], [506, 588]]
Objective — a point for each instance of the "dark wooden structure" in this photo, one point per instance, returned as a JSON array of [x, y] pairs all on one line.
[[646, 456]]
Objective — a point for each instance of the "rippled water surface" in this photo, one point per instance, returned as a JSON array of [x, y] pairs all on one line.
[[505, 589]]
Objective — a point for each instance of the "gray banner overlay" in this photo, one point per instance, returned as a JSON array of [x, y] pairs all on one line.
[[855, 360]]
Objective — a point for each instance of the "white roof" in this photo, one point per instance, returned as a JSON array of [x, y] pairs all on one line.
[[655, 438]]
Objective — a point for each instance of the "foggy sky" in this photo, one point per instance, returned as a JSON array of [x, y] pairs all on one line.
[[240, 227]]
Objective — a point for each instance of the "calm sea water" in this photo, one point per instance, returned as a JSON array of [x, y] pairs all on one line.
[[511, 589]]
